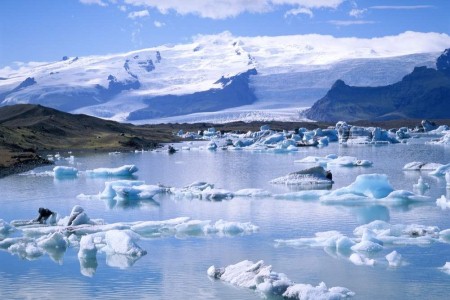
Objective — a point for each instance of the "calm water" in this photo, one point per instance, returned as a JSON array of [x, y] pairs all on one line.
[[175, 268]]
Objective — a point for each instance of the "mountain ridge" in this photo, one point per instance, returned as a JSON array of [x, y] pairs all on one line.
[[423, 93]]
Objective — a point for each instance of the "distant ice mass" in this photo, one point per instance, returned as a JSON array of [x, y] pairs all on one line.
[[261, 278], [443, 202], [334, 160]]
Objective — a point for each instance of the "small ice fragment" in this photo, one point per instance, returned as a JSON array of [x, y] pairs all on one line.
[[61, 172], [360, 260], [123, 171], [443, 203], [394, 259], [446, 268]]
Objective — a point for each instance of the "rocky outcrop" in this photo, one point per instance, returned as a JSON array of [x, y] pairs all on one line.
[[424, 93], [235, 91]]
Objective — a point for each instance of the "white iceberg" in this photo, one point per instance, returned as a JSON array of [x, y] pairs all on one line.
[[123, 242], [123, 171], [252, 193], [443, 203], [261, 278], [61, 172], [445, 140], [361, 260], [315, 176], [440, 171], [336, 161], [109, 191], [394, 259], [5, 228], [421, 186], [421, 166]]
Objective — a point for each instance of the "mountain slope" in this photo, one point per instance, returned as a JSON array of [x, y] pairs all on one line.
[[267, 76], [424, 93]]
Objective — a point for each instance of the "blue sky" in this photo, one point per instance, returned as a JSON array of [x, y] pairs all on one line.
[[47, 30]]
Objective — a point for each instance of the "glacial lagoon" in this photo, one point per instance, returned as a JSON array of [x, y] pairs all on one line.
[[175, 266]]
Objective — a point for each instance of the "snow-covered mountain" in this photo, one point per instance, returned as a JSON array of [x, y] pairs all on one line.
[[219, 77]]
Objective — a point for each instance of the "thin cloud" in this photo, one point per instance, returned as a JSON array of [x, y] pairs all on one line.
[[138, 14], [350, 22], [94, 2], [357, 13], [298, 11], [231, 8], [159, 24], [402, 7]]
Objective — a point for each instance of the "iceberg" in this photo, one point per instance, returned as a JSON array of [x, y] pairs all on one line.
[[421, 186], [5, 228], [260, 277], [61, 172], [421, 166], [440, 171], [361, 260], [444, 140], [336, 161], [443, 203], [123, 171], [394, 259], [312, 176], [109, 191], [123, 242], [252, 193]]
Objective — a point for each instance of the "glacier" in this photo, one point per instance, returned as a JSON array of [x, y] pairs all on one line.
[[263, 78]]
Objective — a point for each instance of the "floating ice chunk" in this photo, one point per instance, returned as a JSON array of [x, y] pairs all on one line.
[[138, 192], [446, 268], [123, 171], [252, 193], [370, 185], [447, 179], [367, 246], [361, 260], [421, 186], [314, 159], [445, 140], [443, 202], [312, 176], [326, 239], [109, 191], [88, 248], [216, 194], [123, 242], [344, 244], [158, 228], [349, 161], [61, 172], [232, 228], [421, 166], [444, 235], [5, 228], [440, 171], [394, 259], [211, 146], [261, 278], [54, 240]]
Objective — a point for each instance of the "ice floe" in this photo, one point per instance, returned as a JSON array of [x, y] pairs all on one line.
[[444, 140], [117, 240], [446, 268], [421, 166], [371, 239], [61, 172], [312, 176], [443, 203], [260, 277], [421, 186], [440, 171], [350, 134], [335, 161], [123, 171]]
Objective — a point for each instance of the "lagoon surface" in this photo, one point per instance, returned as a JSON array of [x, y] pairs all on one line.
[[175, 266]]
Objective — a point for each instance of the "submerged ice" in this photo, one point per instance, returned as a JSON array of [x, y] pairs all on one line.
[[260, 277], [371, 239]]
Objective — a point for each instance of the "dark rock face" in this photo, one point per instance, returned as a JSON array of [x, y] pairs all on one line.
[[27, 82], [443, 62], [235, 91], [424, 93]]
